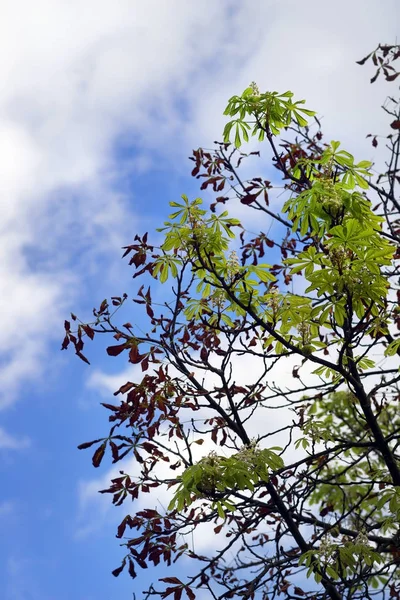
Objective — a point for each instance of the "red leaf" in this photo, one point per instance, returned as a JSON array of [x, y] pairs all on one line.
[[169, 591], [190, 593], [67, 325], [134, 356], [114, 451], [205, 184], [248, 199], [110, 406], [375, 77], [119, 570], [115, 350], [122, 526], [395, 124], [124, 388], [363, 60], [326, 510], [131, 569], [178, 593], [374, 142], [82, 357], [203, 354], [392, 77], [299, 591], [89, 331], [87, 444], [171, 580], [98, 455]]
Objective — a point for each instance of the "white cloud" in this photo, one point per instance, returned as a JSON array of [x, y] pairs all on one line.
[[107, 384], [10, 442], [74, 79], [311, 50]]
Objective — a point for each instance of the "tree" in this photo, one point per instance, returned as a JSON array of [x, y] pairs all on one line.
[[320, 522]]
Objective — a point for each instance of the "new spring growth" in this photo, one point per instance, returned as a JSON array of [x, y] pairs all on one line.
[[233, 264], [274, 300], [254, 88], [304, 330]]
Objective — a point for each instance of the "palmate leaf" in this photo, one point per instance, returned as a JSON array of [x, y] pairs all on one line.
[[164, 265], [306, 261], [278, 111], [262, 271]]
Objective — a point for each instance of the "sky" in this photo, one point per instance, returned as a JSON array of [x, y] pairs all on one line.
[[101, 103]]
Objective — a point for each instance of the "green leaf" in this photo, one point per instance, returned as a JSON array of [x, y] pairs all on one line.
[[227, 131], [221, 512], [335, 145], [339, 314], [361, 181], [248, 92], [393, 348], [237, 137]]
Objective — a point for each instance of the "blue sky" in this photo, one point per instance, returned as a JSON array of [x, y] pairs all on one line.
[[100, 105]]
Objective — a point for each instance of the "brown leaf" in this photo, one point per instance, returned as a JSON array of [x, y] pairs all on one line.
[[395, 124], [122, 526], [131, 569], [119, 570], [375, 77], [99, 454], [190, 593], [248, 199], [203, 354], [124, 388], [82, 357], [89, 331], [115, 350], [87, 444], [363, 60], [114, 451]]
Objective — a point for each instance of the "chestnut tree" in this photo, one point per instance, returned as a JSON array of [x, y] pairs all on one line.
[[268, 398]]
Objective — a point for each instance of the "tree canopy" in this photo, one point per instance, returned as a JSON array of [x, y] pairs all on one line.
[[268, 404]]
